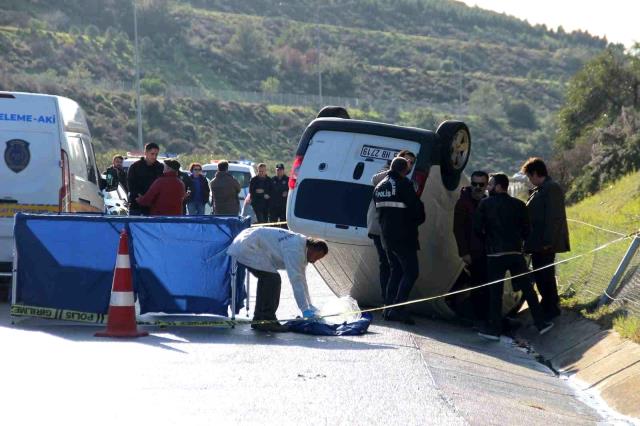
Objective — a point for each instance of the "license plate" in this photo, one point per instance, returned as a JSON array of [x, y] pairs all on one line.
[[378, 153]]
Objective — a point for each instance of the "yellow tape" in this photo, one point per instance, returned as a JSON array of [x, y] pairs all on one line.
[[57, 314], [68, 315], [259, 225], [9, 210]]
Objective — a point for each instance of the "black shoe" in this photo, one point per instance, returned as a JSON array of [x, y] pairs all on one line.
[[551, 314], [489, 333], [510, 325], [402, 317], [544, 327], [274, 327]]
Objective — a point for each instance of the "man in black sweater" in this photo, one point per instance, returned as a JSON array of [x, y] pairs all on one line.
[[141, 175], [503, 222], [260, 187]]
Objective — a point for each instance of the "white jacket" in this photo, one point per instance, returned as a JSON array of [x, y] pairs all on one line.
[[272, 249]]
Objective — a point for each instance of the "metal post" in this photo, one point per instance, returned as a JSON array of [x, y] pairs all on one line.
[[460, 82], [234, 271], [622, 267], [137, 65], [248, 281], [318, 48], [14, 279]]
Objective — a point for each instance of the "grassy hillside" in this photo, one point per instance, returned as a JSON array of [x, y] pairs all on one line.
[[509, 75], [615, 207]]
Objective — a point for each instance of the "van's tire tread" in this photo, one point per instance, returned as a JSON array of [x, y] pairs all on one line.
[[449, 173]]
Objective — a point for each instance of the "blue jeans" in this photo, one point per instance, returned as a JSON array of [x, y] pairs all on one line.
[[195, 208]]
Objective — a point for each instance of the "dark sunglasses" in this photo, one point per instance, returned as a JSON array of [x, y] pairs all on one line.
[[480, 184], [197, 170]]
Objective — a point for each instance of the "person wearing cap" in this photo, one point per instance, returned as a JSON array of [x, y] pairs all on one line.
[[279, 194], [166, 194]]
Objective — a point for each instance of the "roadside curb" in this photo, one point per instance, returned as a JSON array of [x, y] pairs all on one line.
[[599, 359]]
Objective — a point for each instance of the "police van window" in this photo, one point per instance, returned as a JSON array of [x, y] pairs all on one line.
[[91, 163], [77, 158]]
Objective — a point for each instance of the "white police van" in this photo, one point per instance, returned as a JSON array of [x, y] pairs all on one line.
[[48, 163], [330, 191]]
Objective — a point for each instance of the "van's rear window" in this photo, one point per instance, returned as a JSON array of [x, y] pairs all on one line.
[[329, 201]]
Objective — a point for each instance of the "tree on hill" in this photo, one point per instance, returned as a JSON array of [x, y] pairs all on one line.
[[599, 127], [596, 95]]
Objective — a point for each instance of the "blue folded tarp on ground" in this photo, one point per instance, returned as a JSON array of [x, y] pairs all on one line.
[[179, 263], [322, 329]]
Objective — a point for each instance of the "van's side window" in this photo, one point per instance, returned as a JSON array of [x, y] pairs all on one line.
[[77, 157], [91, 161]]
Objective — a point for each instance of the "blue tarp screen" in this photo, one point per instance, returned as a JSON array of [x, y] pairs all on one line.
[[179, 263]]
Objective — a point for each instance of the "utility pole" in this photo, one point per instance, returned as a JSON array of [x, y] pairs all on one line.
[[318, 49], [460, 82], [137, 65]]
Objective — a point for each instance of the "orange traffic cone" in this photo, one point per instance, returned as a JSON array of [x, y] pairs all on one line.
[[121, 321]]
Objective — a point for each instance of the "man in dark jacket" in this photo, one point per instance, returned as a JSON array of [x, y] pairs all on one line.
[[197, 190], [115, 174], [224, 191], [503, 222], [141, 175], [549, 232], [400, 212], [279, 195], [259, 190], [373, 223], [166, 194], [470, 245]]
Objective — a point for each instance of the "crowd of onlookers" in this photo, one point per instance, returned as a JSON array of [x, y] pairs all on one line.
[[493, 231], [160, 188]]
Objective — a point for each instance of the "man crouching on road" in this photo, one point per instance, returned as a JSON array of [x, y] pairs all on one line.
[[263, 251]]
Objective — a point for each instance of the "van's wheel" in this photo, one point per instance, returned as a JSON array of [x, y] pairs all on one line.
[[455, 149]]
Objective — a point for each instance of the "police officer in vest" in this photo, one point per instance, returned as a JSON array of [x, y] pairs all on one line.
[[400, 212]]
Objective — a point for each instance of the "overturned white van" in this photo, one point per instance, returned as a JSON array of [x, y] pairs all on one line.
[[48, 163], [331, 189]]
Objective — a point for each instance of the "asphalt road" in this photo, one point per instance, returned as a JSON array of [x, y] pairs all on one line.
[[431, 373]]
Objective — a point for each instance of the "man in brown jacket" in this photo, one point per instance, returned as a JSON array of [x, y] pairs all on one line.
[[224, 191], [549, 232]]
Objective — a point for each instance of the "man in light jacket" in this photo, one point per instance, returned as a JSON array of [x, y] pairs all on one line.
[[264, 251], [549, 232]]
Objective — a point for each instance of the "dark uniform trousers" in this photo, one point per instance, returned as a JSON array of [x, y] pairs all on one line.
[[480, 296], [267, 294], [261, 210], [383, 265], [546, 282], [497, 266], [404, 270]]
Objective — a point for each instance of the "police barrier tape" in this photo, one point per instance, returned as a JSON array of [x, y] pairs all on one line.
[[68, 315], [261, 225]]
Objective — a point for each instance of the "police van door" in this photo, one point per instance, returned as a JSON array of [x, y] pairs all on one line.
[[85, 192], [334, 183]]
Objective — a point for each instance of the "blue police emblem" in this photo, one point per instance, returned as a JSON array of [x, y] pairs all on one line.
[[17, 155]]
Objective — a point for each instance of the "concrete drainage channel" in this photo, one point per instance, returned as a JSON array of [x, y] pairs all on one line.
[[585, 392]]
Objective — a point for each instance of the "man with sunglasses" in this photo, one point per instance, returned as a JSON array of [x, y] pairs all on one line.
[[470, 245]]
